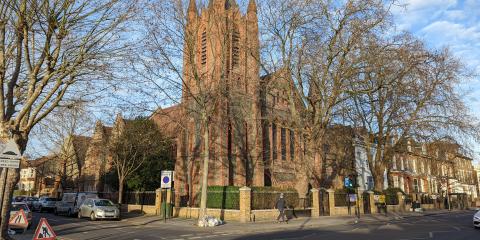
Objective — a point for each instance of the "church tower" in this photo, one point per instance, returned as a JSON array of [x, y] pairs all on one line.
[[221, 54]]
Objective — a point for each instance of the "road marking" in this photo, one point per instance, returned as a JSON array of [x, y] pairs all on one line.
[[195, 237], [457, 228], [186, 235], [430, 234]]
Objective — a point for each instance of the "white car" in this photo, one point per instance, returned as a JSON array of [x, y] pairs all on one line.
[[476, 220], [44, 203]]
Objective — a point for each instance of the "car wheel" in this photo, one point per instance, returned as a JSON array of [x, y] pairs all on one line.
[[79, 215], [93, 217]]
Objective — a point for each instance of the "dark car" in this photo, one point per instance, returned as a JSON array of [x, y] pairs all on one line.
[[19, 198], [30, 201]]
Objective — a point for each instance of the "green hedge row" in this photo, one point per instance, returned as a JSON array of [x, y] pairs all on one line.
[[224, 197]]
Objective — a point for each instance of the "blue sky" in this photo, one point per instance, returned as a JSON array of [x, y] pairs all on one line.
[[440, 23], [448, 23]]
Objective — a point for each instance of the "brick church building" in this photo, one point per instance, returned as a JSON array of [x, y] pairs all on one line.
[[252, 141]]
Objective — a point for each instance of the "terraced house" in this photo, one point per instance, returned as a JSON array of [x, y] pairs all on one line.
[[433, 169]]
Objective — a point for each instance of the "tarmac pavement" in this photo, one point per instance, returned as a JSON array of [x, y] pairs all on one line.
[[409, 226]]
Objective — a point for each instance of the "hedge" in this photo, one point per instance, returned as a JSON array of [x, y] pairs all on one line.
[[221, 197]]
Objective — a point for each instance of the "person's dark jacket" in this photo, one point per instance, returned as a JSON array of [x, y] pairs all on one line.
[[280, 205]]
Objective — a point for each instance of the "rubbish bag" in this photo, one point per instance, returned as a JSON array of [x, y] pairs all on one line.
[[209, 221]]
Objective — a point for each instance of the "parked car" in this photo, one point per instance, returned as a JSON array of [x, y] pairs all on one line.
[[30, 201], [19, 198], [99, 209], [71, 202], [476, 220], [45, 203], [16, 206]]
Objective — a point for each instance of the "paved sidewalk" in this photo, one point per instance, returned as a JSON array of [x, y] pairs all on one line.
[[151, 226], [295, 223]]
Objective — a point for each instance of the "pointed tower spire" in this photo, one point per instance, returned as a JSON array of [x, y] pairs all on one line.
[[192, 12], [218, 4], [98, 132], [252, 6], [231, 4]]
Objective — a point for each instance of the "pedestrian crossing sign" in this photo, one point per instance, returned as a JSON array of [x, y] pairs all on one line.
[[18, 220], [44, 231]]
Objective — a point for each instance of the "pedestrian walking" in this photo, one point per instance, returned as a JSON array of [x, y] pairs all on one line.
[[280, 205]]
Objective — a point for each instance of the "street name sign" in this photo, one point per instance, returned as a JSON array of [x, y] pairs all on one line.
[[166, 179], [9, 163]]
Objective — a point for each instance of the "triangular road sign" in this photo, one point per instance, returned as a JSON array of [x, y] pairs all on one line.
[[44, 231], [18, 220]]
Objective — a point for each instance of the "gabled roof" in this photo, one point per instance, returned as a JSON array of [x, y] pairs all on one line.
[[168, 120], [40, 161], [80, 145]]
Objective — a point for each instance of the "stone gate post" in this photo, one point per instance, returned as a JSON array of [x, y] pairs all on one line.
[[245, 204], [315, 203]]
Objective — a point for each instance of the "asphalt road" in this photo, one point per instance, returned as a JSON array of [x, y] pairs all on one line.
[[451, 226]]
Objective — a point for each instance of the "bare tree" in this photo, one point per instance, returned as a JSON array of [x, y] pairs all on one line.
[[49, 53], [63, 134], [317, 44], [412, 95]]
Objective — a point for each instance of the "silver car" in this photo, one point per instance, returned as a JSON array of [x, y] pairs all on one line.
[[476, 220], [99, 209]]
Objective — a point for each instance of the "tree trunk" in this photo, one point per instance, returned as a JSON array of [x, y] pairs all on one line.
[[12, 179], [120, 190], [206, 155], [378, 182]]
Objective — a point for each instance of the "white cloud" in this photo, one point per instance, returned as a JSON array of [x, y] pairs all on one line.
[[453, 33], [449, 23], [416, 5], [410, 14]]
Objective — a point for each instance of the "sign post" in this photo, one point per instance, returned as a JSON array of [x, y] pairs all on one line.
[[165, 185]]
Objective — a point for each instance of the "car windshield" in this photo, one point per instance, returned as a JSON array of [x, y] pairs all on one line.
[[17, 207], [50, 199], [32, 199], [103, 203]]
